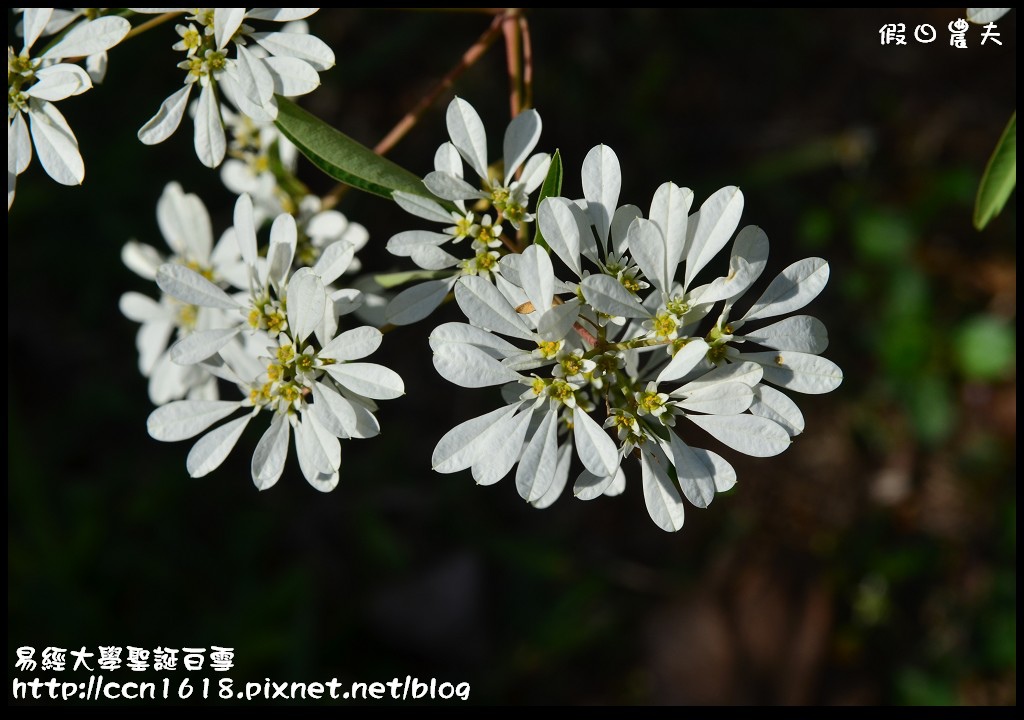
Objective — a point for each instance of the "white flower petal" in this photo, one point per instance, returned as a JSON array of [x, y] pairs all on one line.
[[292, 77], [226, 22], [670, 211], [521, 138], [253, 78], [34, 23], [748, 434], [19, 146], [487, 308], [353, 344], [187, 418], [791, 289], [660, 495], [589, 486], [280, 14], [335, 412], [984, 16], [621, 221], [556, 323], [747, 262], [141, 259], [501, 448], [685, 360], [447, 160], [167, 119], [59, 81], [184, 223], [245, 230], [716, 221], [90, 37], [56, 145], [415, 303], [454, 332], [618, 485], [537, 467], [368, 379], [561, 477], [467, 133], [730, 398], [304, 47], [306, 301], [535, 172], [602, 180], [460, 446], [561, 232], [470, 366], [140, 308], [404, 243], [313, 458], [799, 372], [594, 446], [801, 333], [606, 294], [201, 344], [695, 472], [421, 207], [429, 257], [748, 373], [213, 447], [537, 277], [192, 288], [209, 131], [647, 246], [776, 406], [271, 452], [151, 342], [449, 187], [168, 380]]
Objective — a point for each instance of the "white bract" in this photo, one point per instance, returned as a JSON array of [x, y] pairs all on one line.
[[295, 365], [627, 339], [508, 199], [284, 63], [36, 82], [185, 225]]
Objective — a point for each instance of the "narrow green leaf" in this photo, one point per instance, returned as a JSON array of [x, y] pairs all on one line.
[[1000, 177], [551, 187], [391, 280], [343, 158]]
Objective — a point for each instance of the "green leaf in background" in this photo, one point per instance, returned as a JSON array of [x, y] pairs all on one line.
[[985, 348], [391, 280], [551, 187], [343, 158], [1000, 177]]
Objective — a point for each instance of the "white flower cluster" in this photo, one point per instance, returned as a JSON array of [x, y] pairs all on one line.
[[35, 81], [285, 62], [480, 231], [277, 341], [620, 350]]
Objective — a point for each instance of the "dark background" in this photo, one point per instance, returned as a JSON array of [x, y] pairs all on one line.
[[873, 562]]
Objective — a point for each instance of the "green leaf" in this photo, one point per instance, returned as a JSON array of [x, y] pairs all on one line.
[[551, 187], [343, 158], [391, 280], [1000, 177], [985, 348]]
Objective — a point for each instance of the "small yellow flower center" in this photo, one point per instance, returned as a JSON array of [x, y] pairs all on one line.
[[549, 348], [664, 325], [649, 402], [561, 391]]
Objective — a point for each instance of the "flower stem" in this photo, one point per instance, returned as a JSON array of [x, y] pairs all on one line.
[[399, 131], [150, 24]]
